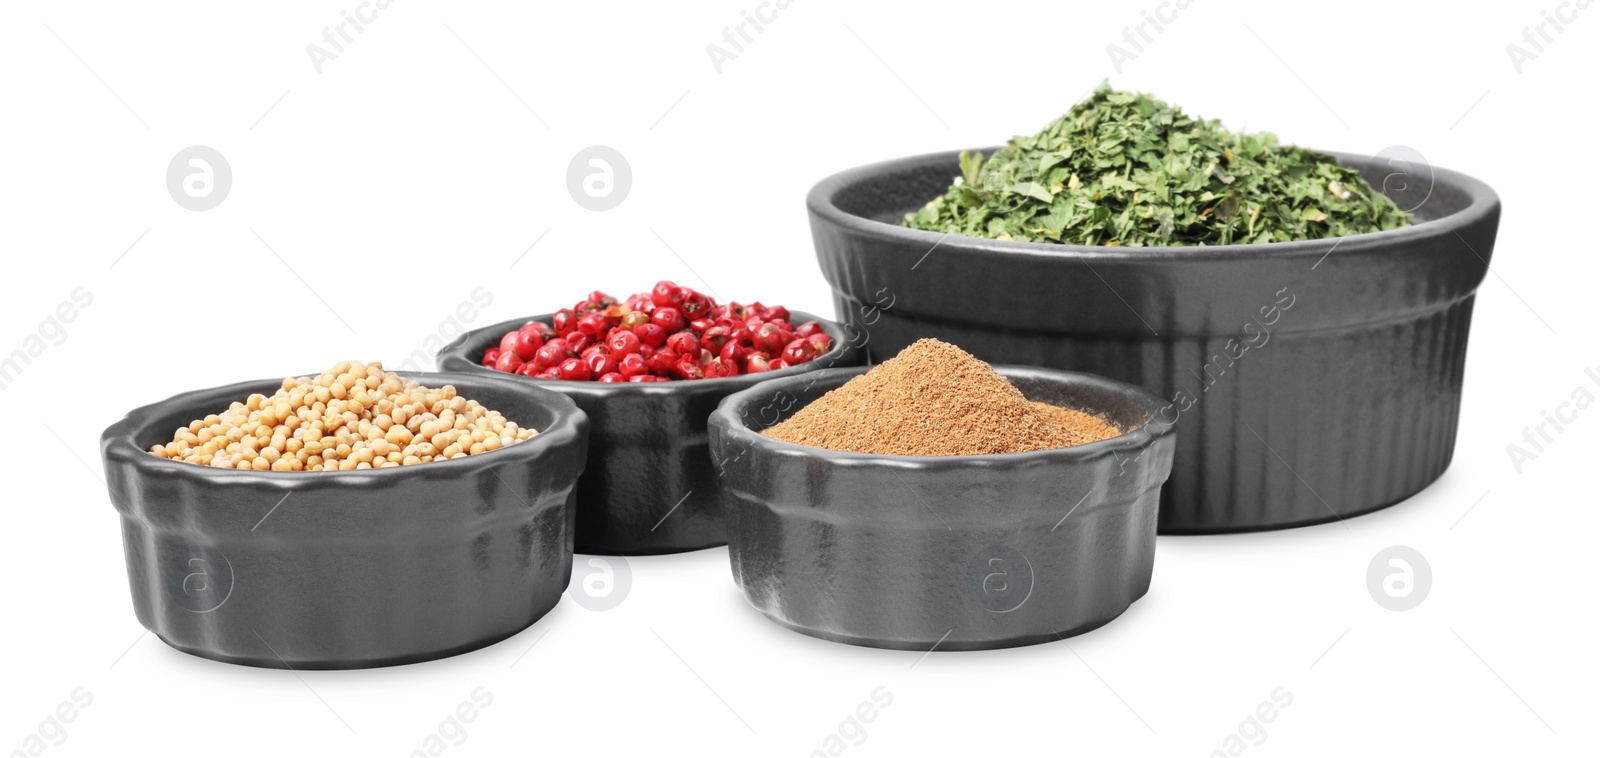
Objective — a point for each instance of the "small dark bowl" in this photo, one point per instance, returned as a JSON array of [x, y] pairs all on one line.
[[1316, 380], [649, 486], [958, 552], [336, 570]]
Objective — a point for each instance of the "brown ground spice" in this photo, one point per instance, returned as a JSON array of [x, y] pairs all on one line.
[[936, 399]]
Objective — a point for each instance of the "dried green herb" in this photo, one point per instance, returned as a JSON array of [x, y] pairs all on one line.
[[1126, 169]]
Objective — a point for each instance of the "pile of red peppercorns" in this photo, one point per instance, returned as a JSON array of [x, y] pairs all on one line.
[[668, 333]]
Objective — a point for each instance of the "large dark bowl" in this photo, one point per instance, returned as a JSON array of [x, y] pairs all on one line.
[[954, 552], [649, 486], [1316, 380], [348, 569]]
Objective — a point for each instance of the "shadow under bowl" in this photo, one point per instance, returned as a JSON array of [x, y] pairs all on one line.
[[1316, 380], [348, 569], [954, 552], [649, 486]]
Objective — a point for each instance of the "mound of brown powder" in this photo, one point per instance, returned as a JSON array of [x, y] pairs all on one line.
[[936, 399]]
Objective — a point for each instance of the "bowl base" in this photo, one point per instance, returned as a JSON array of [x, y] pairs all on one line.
[[1180, 531], [925, 646], [340, 665], [652, 550]]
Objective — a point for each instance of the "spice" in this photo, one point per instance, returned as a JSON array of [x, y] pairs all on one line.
[[353, 416], [668, 333], [935, 399], [1125, 169]]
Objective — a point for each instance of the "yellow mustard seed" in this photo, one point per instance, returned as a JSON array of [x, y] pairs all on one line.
[[353, 417]]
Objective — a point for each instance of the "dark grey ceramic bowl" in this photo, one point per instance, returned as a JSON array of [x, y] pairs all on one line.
[[649, 486], [324, 570], [962, 552], [1316, 380]]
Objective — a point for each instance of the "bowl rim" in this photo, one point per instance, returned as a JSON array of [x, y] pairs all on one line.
[[729, 415], [119, 446], [459, 348], [1482, 202]]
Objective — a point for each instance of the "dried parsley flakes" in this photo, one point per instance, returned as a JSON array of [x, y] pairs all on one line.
[[1125, 169]]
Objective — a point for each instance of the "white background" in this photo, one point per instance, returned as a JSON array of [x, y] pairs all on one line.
[[409, 172]]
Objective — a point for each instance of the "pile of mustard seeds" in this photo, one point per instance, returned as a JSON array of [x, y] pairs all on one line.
[[353, 416], [936, 399]]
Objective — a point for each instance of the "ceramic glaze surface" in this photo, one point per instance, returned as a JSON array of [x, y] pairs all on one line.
[[1316, 380], [649, 486], [966, 552], [348, 569]]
